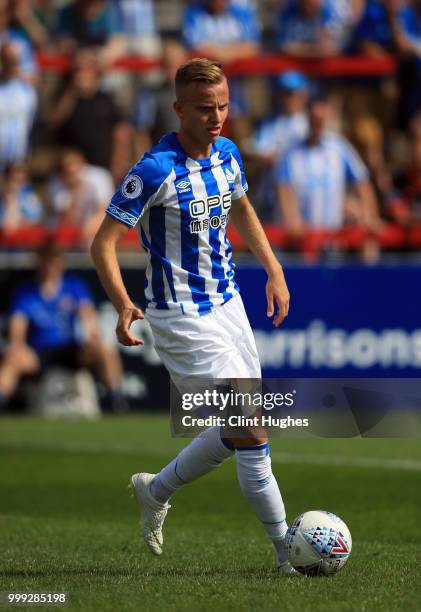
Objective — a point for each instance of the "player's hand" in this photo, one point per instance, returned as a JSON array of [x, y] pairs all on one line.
[[277, 294], [125, 319]]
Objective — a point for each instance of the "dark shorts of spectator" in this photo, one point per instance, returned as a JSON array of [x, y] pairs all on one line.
[[68, 356]]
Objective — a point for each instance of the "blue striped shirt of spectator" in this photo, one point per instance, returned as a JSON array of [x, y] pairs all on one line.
[[202, 25], [137, 17], [19, 203], [18, 103], [88, 27], [309, 28], [319, 175]]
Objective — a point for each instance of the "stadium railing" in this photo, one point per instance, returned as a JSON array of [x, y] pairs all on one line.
[[268, 64], [391, 238]]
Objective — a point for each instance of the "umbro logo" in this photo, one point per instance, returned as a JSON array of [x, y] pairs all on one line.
[[183, 186], [230, 176]]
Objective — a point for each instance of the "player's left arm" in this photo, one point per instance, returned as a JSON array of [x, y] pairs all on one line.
[[246, 221]]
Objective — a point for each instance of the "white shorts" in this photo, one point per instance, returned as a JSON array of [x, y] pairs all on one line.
[[216, 345]]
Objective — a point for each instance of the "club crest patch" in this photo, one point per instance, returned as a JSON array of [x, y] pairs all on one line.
[[132, 186]]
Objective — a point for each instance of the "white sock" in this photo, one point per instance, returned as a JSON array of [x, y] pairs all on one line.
[[202, 455], [259, 486]]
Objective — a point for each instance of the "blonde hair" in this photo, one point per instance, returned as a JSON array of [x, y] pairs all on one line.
[[198, 70]]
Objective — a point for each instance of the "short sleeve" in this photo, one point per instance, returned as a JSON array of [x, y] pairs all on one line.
[[282, 35], [146, 109], [355, 171], [79, 290], [102, 183], [112, 20], [406, 22], [283, 171], [19, 303], [249, 23], [240, 184], [193, 33], [136, 192], [30, 205], [264, 141]]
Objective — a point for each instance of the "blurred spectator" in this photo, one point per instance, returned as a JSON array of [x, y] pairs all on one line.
[[53, 322], [346, 14], [226, 31], [409, 182], [88, 119], [138, 24], [220, 30], [314, 177], [78, 194], [373, 33], [35, 19], [91, 23], [18, 103], [19, 204], [46, 12], [310, 28], [368, 138], [154, 113], [250, 5], [276, 135], [27, 67], [348, 11], [406, 27]]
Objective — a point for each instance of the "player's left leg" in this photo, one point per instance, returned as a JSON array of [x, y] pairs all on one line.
[[260, 488], [254, 469]]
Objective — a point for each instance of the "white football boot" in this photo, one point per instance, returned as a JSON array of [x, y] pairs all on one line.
[[152, 512], [286, 569]]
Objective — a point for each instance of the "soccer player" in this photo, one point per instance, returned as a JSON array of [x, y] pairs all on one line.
[[180, 195]]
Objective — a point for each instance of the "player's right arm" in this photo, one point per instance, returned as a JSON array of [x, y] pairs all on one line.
[[104, 256]]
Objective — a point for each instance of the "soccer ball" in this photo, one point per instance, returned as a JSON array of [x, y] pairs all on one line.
[[318, 542]]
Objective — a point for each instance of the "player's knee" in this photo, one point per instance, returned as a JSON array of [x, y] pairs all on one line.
[[21, 359], [248, 441]]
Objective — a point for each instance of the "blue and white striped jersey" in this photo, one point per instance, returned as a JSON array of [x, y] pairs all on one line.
[[182, 206]]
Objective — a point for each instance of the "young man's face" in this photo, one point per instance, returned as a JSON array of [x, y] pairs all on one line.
[[202, 109]]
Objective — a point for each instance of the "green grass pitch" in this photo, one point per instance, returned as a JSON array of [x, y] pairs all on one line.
[[67, 522]]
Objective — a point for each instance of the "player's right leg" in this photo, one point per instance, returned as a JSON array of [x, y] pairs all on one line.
[[19, 360], [205, 453]]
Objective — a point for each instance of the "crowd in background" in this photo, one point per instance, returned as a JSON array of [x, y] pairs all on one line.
[[321, 153]]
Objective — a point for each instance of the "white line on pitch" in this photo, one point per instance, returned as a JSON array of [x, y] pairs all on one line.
[[342, 461], [278, 457]]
